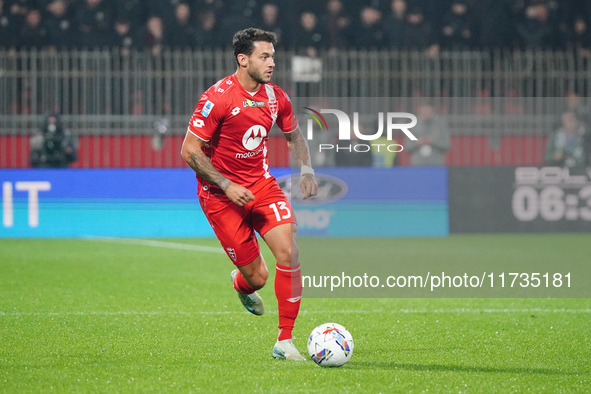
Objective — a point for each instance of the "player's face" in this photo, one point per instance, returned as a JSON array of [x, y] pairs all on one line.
[[260, 62]]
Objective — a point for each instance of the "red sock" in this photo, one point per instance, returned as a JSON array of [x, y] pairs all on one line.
[[241, 285], [288, 289]]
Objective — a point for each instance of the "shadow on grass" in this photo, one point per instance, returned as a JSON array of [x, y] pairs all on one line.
[[461, 368]]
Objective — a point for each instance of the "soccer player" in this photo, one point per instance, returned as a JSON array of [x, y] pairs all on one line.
[[226, 146]]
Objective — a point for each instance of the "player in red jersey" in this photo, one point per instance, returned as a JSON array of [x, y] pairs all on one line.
[[226, 145]]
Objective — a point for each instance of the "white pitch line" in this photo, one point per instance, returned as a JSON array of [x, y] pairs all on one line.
[[159, 244], [304, 312]]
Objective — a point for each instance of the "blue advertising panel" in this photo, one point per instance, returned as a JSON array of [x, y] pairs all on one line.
[[366, 202], [163, 203], [96, 202]]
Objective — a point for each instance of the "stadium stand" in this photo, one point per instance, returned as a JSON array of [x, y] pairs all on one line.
[[124, 75]]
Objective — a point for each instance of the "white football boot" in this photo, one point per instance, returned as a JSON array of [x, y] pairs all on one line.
[[252, 302], [285, 350]]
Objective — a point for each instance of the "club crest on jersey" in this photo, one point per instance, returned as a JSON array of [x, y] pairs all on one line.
[[273, 106], [252, 103], [254, 136], [207, 108], [231, 253]]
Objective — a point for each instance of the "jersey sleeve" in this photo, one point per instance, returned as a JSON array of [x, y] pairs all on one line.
[[286, 119], [206, 118]]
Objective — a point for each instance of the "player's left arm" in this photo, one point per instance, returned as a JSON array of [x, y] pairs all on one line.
[[301, 154], [288, 123]]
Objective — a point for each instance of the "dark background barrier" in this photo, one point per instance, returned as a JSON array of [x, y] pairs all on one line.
[[519, 200]]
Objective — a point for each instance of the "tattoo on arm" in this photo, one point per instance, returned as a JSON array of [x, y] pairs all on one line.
[[202, 166], [299, 148]]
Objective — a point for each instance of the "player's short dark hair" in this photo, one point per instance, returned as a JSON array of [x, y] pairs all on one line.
[[243, 41]]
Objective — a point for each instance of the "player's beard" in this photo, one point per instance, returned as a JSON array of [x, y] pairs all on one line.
[[258, 77]]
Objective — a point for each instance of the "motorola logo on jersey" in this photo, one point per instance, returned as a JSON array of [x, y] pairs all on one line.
[[254, 136]]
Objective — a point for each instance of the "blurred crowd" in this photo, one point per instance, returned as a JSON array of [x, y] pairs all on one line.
[[304, 25]]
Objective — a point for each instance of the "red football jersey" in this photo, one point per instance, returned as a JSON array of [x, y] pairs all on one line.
[[236, 123]]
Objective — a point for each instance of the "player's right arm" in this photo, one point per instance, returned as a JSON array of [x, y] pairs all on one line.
[[194, 156]]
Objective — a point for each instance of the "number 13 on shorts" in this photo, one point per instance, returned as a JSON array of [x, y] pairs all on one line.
[[279, 208]]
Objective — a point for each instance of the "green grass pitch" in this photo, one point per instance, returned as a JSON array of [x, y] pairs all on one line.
[[106, 316]]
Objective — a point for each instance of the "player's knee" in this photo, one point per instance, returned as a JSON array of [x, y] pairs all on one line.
[[294, 255], [288, 255], [259, 279], [294, 252]]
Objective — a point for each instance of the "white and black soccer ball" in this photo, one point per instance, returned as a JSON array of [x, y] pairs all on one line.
[[330, 345]]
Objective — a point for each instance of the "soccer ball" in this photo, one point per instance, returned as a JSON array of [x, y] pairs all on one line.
[[330, 345]]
